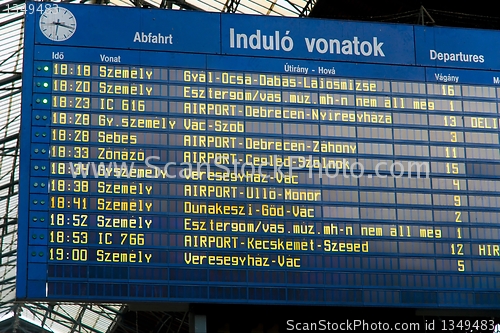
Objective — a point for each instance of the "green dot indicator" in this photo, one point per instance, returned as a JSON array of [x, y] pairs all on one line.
[[42, 185], [42, 219], [45, 101], [37, 134], [39, 68], [35, 167], [42, 202], [43, 151], [35, 184], [33, 236], [45, 85], [43, 168], [44, 135], [44, 117], [40, 254], [38, 84], [35, 202], [38, 100], [37, 117], [33, 254], [36, 151], [46, 68], [34, 219], [42, 236]]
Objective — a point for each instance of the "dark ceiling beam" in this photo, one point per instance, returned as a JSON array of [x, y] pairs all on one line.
[[9, 138], [78, 321], [10, 79], [6, 186], [231, 6], [307, 8], [13, 19], [9, 221], [7, 254], [298, 9], [11, 93]]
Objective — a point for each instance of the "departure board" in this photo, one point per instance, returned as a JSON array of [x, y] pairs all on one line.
[[174, 156]]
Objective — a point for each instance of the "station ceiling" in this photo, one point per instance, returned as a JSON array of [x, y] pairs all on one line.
[[481, 15]]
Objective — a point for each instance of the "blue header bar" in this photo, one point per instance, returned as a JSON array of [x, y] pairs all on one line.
[[317, 39], [291, 38], [458, 48], [140, 29]]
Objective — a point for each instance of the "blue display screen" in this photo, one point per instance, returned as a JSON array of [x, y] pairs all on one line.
[[247, 159]]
